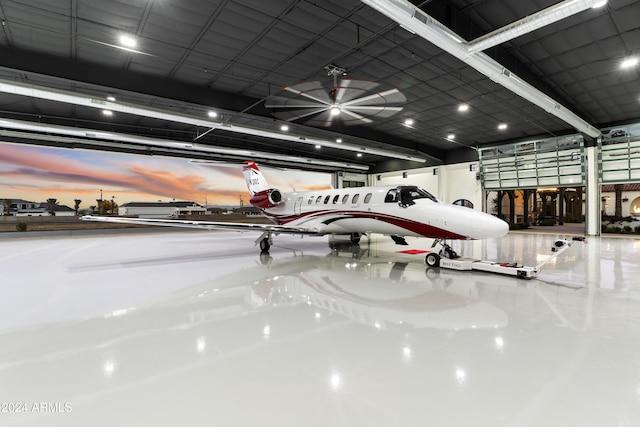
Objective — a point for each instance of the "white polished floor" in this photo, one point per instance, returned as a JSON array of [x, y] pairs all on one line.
[[198, 329]]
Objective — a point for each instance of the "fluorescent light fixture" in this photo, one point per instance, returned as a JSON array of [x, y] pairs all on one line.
[[408, 122], [107, 113], [629, 62], [502, 126], [318, 146], [339, 140], [359, 154], [598, 3], [128, 41], [284, 128], [212, 114], [451, 136], [335, 111], [42, 92], [113, 139], [463, 107], [111, 98]]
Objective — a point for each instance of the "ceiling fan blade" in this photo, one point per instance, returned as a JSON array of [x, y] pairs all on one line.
[[356, 116], [284, 102], [311, 90], [349, 89], [372, 110], [293, 115], [386, 97], [342, 89]]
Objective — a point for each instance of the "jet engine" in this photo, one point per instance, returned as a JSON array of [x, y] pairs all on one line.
[[266, 198]]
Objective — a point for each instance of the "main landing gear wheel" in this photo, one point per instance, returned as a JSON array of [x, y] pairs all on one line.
[[355, 238], [432, 259], [265, 245]]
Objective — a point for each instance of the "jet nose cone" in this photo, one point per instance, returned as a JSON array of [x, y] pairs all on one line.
[[484, 226], [498, 227]]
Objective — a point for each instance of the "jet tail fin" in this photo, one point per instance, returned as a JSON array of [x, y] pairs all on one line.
[[256, 182]]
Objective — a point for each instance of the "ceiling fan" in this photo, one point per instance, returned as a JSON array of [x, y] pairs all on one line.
[[349, 101]]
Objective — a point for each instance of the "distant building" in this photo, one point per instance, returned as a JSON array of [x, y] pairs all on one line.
[[160, 209], [21, 207], [249, 211]]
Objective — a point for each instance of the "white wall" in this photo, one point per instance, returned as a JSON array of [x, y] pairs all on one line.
[[452, 182]]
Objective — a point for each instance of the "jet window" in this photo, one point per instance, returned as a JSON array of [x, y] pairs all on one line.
[[367, 198], [318, 200], [326, 199], [311, 200], [335, 199], [355, 198], [345, 199]]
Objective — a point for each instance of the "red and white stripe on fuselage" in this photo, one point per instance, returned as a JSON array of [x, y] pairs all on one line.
[[364, 210], [394, 210]]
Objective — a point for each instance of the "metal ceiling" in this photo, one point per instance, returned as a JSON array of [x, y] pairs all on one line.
[[194, 56]]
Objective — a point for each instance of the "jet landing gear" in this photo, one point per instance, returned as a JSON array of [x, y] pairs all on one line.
[[265, 242], [433, 259]]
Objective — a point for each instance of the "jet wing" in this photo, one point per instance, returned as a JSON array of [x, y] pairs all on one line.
[[206, 225]]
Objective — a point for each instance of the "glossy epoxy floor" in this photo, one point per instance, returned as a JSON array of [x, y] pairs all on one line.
[[198, 329]]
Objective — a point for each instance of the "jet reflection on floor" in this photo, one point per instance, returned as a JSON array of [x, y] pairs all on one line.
[[199, 329]]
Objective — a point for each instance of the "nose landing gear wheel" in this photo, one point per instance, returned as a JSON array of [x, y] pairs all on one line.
[[432, 259]]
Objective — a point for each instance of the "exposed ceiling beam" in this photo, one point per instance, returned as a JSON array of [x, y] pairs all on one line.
[[42, 92], [415, 20], [44, 131], [531, 23]]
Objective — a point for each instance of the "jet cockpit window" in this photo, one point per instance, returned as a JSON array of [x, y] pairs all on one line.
[[408, 195], [392, 196]]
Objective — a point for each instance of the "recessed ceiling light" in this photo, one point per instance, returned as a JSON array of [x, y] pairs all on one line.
[[335, 111], [598, 4], [502, 126], [339, 140], [463, 107], [629, 62], [128, 41], [111, 98], [359, 154], [284, 128], [212, 114], [107, 112], [451, 136], [318, 146], [408, 122]]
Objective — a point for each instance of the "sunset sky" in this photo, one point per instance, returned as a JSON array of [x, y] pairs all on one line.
[[39, 173]]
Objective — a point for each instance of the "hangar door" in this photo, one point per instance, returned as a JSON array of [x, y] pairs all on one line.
[[620, 154], [553, 162]]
